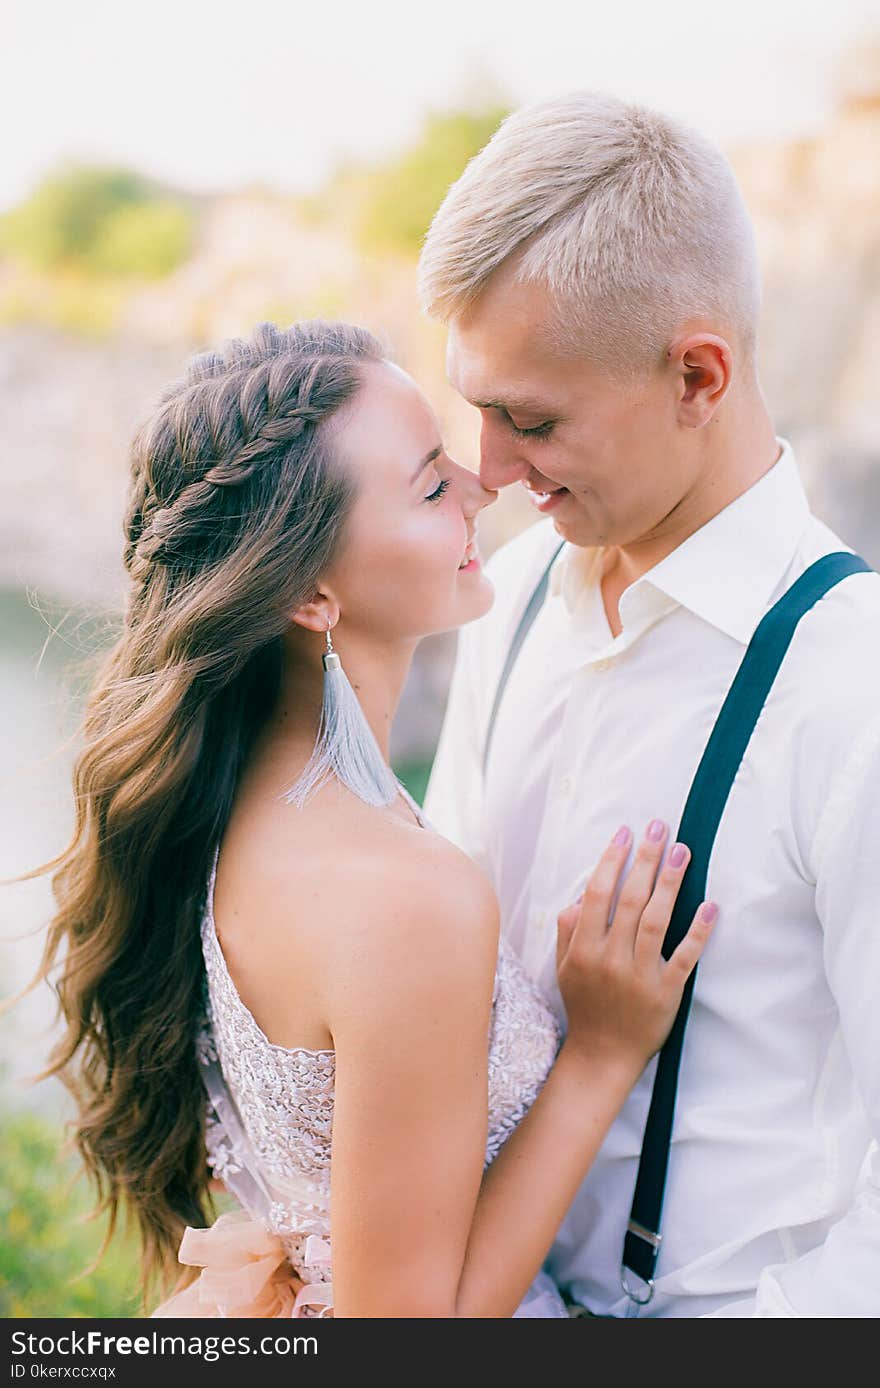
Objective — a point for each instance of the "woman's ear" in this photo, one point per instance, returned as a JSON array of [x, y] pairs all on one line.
[[319, 614]]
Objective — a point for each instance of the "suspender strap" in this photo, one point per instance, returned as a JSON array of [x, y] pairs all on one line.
[[702, 814], [533, 607]]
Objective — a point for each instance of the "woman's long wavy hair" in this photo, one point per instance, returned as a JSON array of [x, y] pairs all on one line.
[[236, 508]]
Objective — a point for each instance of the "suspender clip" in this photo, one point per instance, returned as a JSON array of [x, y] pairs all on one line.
[[644, 1234], [640, 1296], [633, 1292]]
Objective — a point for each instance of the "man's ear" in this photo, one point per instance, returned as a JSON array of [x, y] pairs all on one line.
[[321, 612], [705, 373]]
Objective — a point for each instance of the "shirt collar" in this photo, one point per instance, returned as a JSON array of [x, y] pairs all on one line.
[[727, 570]]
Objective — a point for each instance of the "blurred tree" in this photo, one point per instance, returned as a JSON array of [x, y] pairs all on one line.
[[149, 239], [400, 199], [103, 221]]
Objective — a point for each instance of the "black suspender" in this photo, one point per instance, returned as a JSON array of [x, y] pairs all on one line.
[[699, 823]]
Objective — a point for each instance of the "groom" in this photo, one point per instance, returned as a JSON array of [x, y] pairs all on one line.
[[596, 268]]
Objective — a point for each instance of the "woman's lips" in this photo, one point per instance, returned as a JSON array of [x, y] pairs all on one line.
[[471, 561]]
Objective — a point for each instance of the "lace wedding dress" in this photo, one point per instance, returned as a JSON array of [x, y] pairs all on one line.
[[270, 1116]]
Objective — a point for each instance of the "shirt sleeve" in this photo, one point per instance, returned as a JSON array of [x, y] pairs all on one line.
[[841, 1277]]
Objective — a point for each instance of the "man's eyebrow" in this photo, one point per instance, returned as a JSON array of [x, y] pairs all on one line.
[[428, 458], [511, 402]]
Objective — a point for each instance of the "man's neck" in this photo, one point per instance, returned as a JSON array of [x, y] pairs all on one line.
[[722, 481]]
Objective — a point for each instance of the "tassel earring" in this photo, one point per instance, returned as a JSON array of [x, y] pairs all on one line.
[[346, 747]]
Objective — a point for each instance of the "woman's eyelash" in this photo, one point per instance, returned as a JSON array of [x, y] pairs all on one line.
[[435, 496], [540, 431]]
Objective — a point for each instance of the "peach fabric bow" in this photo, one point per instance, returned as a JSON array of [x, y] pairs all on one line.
[[245, 1273]]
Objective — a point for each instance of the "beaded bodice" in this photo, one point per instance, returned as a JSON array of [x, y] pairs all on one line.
[[284, 1095]]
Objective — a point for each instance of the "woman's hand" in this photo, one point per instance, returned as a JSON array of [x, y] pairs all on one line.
[[620, 994]]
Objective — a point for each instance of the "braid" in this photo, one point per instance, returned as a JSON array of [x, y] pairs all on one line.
[[237, 412]]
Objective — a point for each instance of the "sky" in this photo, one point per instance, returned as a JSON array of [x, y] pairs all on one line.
[[211, 96]]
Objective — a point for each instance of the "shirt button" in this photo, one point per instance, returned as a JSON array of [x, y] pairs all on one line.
[[601, 666], [566, 785], [539, 922]]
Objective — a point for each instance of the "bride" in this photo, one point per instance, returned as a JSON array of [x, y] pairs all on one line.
[[268, 954]]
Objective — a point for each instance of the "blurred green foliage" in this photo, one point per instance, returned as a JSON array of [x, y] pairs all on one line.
[[149, 239], [401, 199], [414, 776], [99, 221], [389, 208], [88, 238], [45, 1243], [70, 300]]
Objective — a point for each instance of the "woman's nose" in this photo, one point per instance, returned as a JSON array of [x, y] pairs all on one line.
[[474, 496]]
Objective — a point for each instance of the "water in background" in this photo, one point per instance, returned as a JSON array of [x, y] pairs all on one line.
[[37, 714]]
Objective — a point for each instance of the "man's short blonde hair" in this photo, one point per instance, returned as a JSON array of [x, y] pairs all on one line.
[[633, 223]]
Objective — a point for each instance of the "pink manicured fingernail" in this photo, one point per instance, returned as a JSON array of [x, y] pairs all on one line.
[[621, 837], [708, 912], [655, 830], [677, 855]]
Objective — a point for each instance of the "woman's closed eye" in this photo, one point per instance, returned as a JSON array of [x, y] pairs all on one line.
[[440, 491]]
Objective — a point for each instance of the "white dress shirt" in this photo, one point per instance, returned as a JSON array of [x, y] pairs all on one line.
[[779, 1089]]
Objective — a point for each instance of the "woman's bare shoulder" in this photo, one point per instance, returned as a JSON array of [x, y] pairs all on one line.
[[379, 873], [397, 908], [345, 903]]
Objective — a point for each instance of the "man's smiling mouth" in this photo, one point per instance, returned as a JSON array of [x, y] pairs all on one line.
[[545, 498]]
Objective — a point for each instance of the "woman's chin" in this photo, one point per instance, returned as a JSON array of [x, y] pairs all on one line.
[[476, 594]]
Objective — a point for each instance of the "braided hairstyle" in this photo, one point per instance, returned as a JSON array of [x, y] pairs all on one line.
[[235, 509]]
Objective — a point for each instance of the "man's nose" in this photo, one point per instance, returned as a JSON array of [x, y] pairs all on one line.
[[499, 462]]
